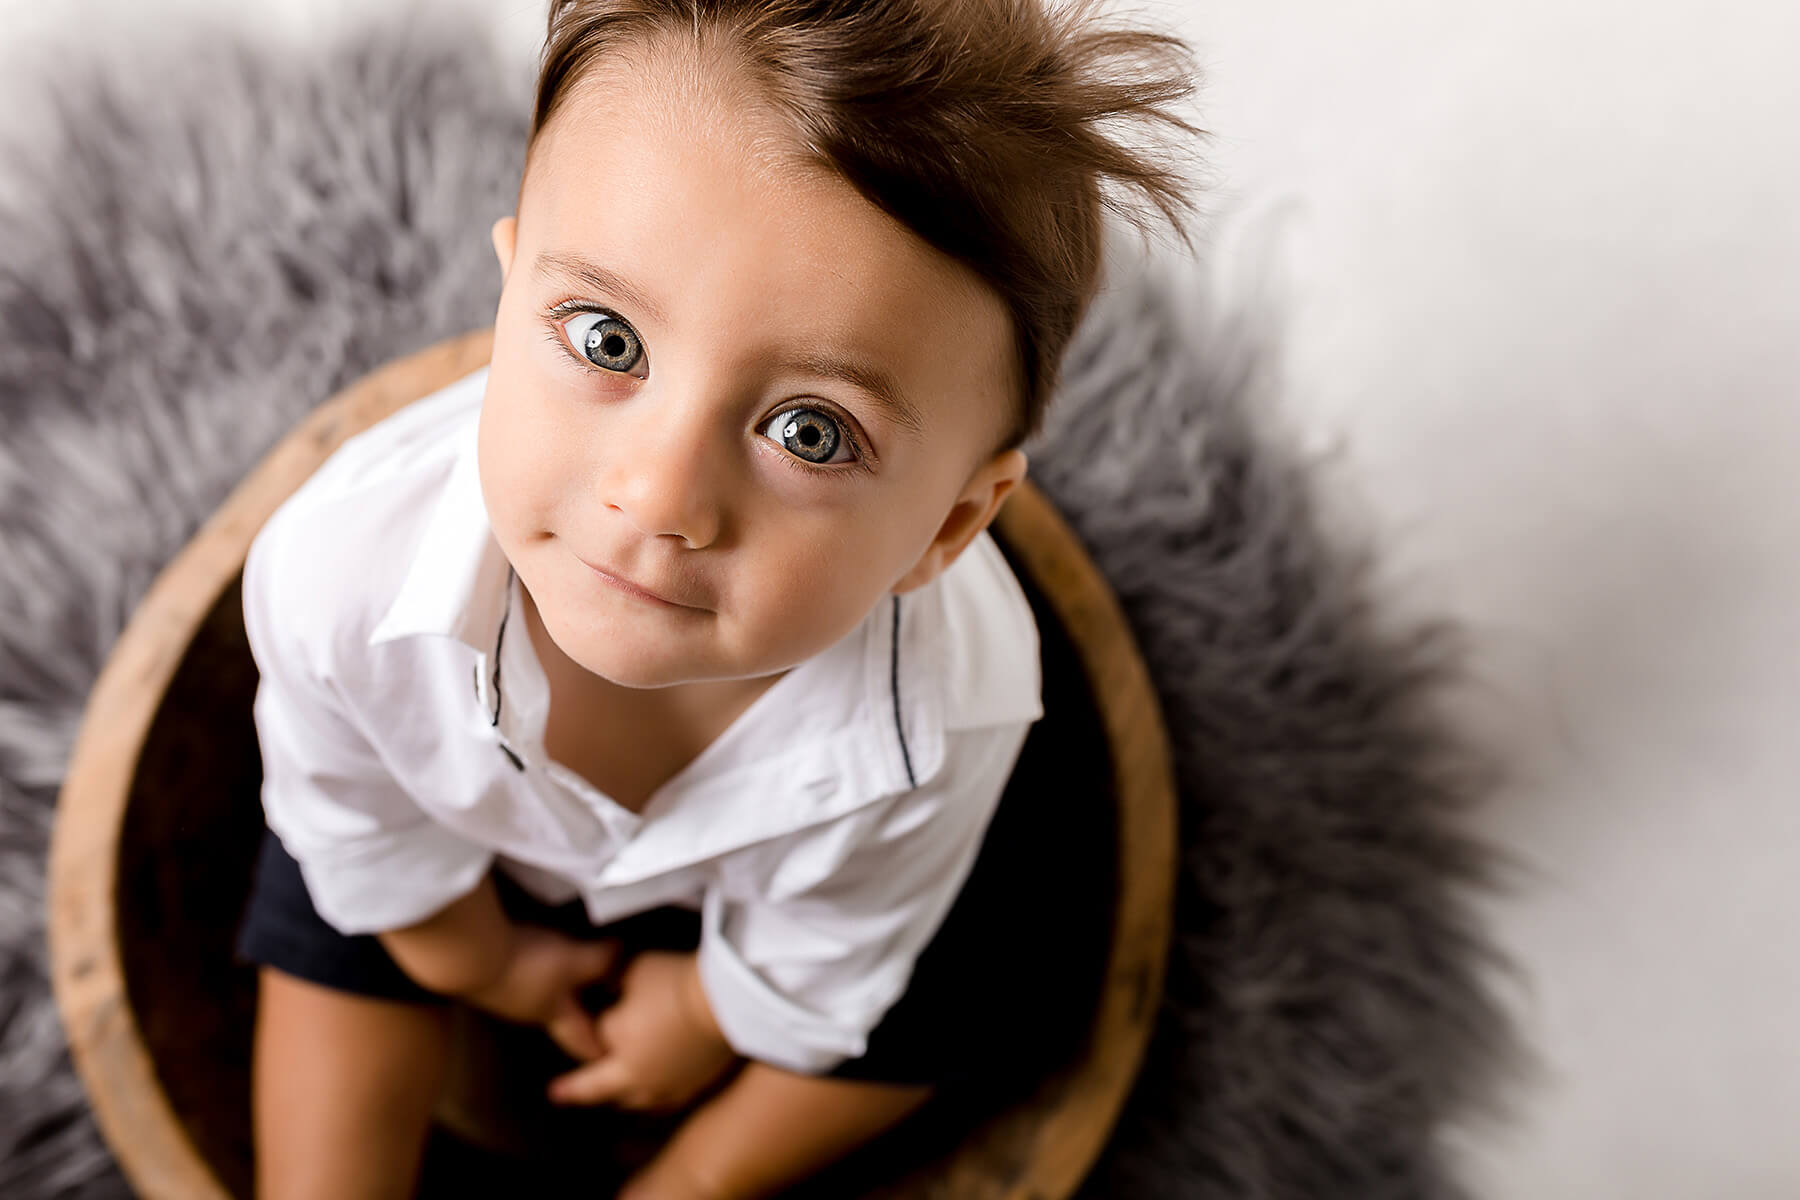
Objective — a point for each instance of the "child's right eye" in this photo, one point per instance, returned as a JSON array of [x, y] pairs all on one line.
[[605, 340]]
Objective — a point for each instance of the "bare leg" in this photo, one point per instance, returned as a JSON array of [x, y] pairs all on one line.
[[343, 1090]]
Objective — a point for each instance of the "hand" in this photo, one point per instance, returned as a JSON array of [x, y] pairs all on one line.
[[665, 1181], [540, 982], [660, 1047]]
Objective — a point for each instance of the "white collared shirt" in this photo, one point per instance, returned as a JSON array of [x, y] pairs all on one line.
[[823, 836]]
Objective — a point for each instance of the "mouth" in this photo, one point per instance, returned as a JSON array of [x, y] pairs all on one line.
[[636, 590]]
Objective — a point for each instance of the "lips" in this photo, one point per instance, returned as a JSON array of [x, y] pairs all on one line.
[[633, 588]]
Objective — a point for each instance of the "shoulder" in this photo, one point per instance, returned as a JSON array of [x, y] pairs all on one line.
[[325, 566], [987, 652]]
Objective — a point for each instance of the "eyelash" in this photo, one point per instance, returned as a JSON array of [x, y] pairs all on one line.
[[556, 314]]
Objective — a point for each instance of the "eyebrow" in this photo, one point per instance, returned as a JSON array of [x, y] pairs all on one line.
[[877, 384], [874, 382], [573, 266]]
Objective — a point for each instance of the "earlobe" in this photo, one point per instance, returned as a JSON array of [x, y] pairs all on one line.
[[505, 236]]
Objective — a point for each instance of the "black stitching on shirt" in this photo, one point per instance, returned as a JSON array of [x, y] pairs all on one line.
[[500, 640], [894, 687]]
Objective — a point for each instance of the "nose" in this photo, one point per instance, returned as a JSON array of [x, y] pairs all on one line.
[[665, 471]]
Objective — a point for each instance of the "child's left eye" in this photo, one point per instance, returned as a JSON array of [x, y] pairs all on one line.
[[809, 434]]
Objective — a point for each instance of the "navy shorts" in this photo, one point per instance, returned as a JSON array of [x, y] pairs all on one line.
[[282, 929], [1001, 989]]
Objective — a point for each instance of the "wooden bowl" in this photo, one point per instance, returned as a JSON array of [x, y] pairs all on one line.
[[158, 821]]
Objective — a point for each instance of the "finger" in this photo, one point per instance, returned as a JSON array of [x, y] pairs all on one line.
[[575, 1030], [593, 960], [603, 1081]]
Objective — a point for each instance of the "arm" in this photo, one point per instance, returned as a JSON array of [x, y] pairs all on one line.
[[769, 1128], [807, 943], [373, 860], [795, 973], [472, 950], [462, 949], [797, 982]]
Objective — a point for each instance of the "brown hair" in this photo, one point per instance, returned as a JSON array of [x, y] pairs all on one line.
[[981, 125]]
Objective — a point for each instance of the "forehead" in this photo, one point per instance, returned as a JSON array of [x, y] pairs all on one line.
[[672, 174]]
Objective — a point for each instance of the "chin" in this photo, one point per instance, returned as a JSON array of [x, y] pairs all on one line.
[[618, 665], [611, 652], [643, 677]]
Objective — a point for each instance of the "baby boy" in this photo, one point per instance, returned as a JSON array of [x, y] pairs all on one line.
[[685, 602]]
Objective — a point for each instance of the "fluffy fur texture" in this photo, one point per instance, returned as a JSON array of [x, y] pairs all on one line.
[[183, 279]]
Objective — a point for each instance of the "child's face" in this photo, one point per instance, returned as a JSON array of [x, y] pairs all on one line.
[[701, 413]]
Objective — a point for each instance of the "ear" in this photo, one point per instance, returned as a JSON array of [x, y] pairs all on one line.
[[973, 511], [505, 235]]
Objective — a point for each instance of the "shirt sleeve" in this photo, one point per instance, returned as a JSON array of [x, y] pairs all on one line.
[[804, 949], [371, 858]]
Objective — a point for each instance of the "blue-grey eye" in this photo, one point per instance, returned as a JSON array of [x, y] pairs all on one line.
[[605, 341], [809, 434]]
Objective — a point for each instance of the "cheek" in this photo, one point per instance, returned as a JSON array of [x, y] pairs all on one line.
[[821, 576], [517, 473]]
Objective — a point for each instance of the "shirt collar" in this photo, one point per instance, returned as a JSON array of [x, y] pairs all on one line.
[[457, 585]]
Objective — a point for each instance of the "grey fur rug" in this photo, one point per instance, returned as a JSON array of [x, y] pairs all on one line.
[[207, 247]]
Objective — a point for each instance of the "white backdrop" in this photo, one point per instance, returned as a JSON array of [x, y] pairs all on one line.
[[1534, 263]]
